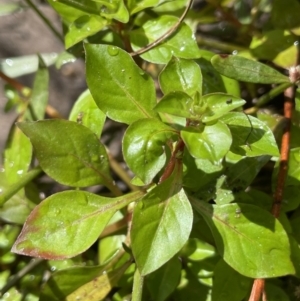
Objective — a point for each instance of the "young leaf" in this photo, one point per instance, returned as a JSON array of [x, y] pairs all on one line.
[[251, 136], [86, 112], [121, 90], [161, 224], [114, 9], [177, 104], [181, 44], [229, 284], [57, 228], [163, 281], [252, 241], [143, 147], [212, 143], [247, 70], [218, 104], [181, 75]]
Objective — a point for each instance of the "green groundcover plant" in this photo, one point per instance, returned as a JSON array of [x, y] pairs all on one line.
[[191, 220]]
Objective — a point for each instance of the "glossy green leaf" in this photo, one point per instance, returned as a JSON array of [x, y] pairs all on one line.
[[229, 284], [113, 78], [143, 147], [82, 28], [181, 44], [164, 217], [114, 9], [68, 152], [285, 16], [86, 112], [62, 283], [250, 239], [218, 104], [212, 143], [40, 93], [99, 287], [163, 281], [17, 155], [67, 217], [213, 81], [276, 293], [176, 103], [181, 75], [251, 136], [247, 70]]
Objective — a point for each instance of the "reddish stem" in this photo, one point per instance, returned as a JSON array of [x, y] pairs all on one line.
[[257, 290]]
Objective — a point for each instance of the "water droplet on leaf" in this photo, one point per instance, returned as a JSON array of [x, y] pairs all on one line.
[[112, 50]]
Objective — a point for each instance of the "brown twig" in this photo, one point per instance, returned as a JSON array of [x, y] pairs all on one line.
[[165, 35], [257, 290]]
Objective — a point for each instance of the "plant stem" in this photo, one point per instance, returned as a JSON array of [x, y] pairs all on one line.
[[165, 35], [226, 47], [137, 290], [257, 290], [117, 168], [111, 185], [264, 99], [15, 278], [14, 188], [47, 22]]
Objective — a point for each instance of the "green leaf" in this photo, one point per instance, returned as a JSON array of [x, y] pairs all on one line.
[[143, 147], [181, 44], [62, 283], [98, 288], [212, 143], [17, 155], [114, 9], [213, 81], [247, 70], [285, 16], [119, 87], [229, 284], [218, 104], [251, 137], [135, 6], [181, 75], [177, 104], [68, 152], [67, 217], [40, 93], [161, 225], [82, 28], [86, 112], [163, 281], [252, 241]]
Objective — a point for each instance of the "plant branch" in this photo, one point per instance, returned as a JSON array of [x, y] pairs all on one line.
[[257, 290], [14, 188], [289, 95], [15, 278], [165, 35], [47, 22]]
